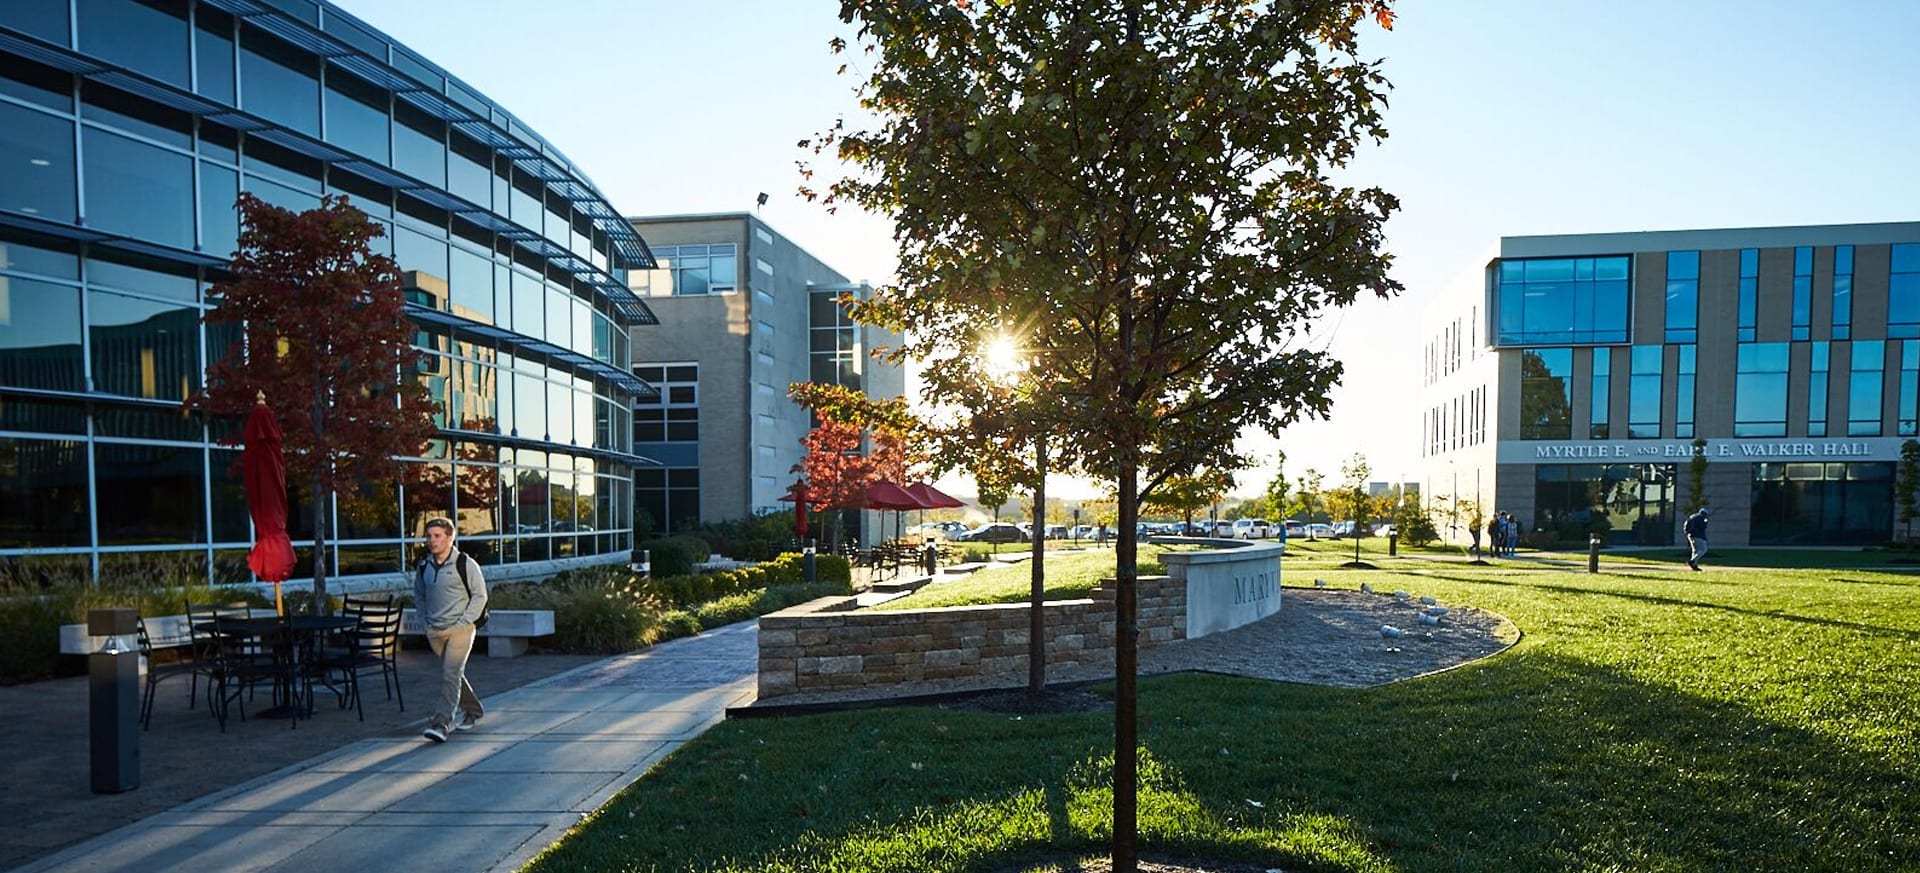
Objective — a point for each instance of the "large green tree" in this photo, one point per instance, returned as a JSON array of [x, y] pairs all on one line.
[[1139, 193], [325, 338]]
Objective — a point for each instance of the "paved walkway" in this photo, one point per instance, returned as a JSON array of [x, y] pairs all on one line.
[[546, 755]]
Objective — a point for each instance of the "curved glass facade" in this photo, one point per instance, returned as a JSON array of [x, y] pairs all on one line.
[[127, 130]]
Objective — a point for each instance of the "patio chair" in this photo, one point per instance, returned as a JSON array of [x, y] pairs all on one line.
[[158, 672], [203, 645], [373, 644], [246, 659]]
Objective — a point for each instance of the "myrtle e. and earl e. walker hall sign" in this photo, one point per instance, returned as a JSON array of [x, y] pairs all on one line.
[[1670, 451]]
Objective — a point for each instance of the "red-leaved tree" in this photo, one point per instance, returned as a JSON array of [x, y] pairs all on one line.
[[324, 334]]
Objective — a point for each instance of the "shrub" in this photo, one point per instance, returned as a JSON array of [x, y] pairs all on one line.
[[748, 604], [1541, 539], [669, 557]]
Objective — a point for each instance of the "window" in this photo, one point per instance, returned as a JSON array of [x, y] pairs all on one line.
[[43, 493], [1602, 388], [690, 269], [1865, 386], [1546, 413], [37, 150], [1842, 292], [669, 497], [673, 416], [1909, 385], [1749, 293], [1903, 292], [1802, 292], [836, 351], [143, 348], [1683, 394], [1563, 300], [1817, 390], [213, 54], [279, 82], [1683, 297], [420, 145], [149, 494], [40, 335], [1628, 504], [1821, 504], [142, 35], [46, 19], [1643, 392], [1760, 390], [357, 117]]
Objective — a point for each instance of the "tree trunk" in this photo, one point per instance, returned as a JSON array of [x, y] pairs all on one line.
[[1126, 741], [321, 501], [1037, 620]]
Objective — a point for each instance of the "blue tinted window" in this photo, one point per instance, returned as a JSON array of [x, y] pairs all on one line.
[[420, 146], [1601, 393], [529, 305], [1909, 388], [40, 337], [470, 171], [1552, 301], [1683, 393], [1864, 391], [357, 116], [46, 19], [1760, 390], [1683, 297], [37, 151], [1643, 392], [1817, 390], [470, 284], [37, 84], [138, 190], [413, 250], [143, 348], [153, 278], [1842, 292], [1749, 293], [44, 257], [1802, 292], [278, 81], [142, 35], [136, 116], [1903, 292], [213, 54]]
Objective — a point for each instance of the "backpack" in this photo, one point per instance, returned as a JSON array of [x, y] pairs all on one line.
[[460, 566]]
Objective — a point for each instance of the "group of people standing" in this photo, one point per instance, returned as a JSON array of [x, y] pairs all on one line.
[[1503, 533]]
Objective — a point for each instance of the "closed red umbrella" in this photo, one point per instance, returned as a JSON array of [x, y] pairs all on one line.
[[265, 473], [797, 495]]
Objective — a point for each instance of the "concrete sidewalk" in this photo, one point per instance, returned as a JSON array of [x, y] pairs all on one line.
[[546, 754]]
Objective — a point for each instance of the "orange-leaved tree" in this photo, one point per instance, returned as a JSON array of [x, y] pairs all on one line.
[[324, 335]]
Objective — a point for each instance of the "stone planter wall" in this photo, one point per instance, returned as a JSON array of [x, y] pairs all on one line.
[[821, 646]]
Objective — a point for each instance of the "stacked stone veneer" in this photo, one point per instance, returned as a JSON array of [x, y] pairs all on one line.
[[825, 645]]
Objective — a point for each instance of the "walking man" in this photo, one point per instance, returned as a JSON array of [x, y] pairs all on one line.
[[1696, 528], [450, 595]]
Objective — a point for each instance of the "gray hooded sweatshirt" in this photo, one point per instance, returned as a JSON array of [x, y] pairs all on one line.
[[441, 597]]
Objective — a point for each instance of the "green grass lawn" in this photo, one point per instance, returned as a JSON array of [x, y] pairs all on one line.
[[1651, 719], [1070, 575]]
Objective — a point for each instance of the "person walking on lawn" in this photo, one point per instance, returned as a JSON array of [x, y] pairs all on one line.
[[450, 595], [1696, 528]]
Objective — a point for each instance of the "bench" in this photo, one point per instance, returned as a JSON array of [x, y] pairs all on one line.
[[165, 631], [507, 630]]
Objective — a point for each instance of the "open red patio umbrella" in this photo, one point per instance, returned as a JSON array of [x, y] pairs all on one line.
[[888, 495], [264, 471], [932, 498]]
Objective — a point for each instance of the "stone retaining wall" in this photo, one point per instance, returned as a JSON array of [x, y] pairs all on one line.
[[823, 645]]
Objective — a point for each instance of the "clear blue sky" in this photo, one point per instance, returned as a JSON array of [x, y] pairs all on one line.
[[1508, 117]]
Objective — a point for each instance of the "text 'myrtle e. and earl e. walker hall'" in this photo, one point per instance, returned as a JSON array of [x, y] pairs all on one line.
[[1574, 380]]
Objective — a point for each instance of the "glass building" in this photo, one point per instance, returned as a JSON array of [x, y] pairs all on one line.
[[127, 130], [1577, 385]]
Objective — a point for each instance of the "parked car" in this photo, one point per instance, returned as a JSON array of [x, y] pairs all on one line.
[[996, 532], [1221, 528], [1319, 531], [1295, 527], [1383, 530], [1252, 529], [1056, 531]]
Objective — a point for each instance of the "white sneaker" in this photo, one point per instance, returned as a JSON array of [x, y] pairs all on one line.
[[435, 733], [466, 722]]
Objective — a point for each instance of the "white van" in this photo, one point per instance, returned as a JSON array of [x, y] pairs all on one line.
[[1252, 529]]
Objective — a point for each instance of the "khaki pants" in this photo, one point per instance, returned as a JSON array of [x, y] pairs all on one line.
[[453, 645]]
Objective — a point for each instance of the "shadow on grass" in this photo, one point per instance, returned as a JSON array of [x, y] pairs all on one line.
[[1537, 761]]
